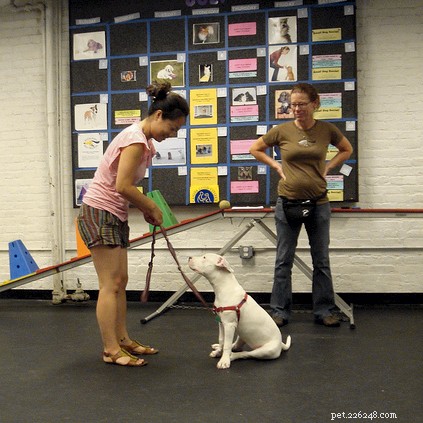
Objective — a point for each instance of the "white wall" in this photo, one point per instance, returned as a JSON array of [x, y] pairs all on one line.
[[369, 254]]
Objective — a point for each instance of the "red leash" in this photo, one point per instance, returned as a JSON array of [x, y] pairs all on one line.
[[144, 295]]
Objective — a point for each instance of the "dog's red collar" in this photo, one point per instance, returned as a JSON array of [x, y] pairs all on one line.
[[232, 308]]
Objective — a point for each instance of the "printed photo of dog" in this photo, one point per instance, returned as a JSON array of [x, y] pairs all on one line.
[[166, 73], [89, 45], [283, 109], [242, 96], [90, 116], [168, 70], [93, 45], [283, 63], [207, 33]]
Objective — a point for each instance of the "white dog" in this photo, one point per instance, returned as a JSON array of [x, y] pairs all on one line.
[[239, 314], [166, 73]]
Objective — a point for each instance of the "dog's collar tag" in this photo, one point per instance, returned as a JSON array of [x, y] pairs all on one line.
[[218, 319]]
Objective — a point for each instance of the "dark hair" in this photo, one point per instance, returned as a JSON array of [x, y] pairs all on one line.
[[308, 89], [171, 104]]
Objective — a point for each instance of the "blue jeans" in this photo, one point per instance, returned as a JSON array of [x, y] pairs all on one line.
[[317, 227]]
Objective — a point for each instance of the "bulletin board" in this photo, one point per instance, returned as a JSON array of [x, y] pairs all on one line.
[[218, 55]]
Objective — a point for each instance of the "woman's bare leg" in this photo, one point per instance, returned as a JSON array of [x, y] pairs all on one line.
[[111, 267]]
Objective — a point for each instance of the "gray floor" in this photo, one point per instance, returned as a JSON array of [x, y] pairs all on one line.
[[51, 369]]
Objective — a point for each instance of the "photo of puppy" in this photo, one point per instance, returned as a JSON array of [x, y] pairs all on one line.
[[168, 70], [93, 45], [166, 73], [283, 109], [91, 113], [289, 74], [241, 96], [244, 98], [282, 30], [89, 45], [90, 116], [207, 33]]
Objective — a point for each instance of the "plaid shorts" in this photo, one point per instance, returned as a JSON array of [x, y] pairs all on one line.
[[100, 227]]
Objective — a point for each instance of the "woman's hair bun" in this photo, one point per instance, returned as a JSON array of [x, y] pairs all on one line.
[[158, 90]]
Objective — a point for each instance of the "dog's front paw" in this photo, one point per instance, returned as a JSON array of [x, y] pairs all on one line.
[[217, 351], [224, 363]]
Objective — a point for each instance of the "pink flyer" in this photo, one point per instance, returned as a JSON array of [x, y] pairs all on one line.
[[241, 146], [246, 28], [244, 187], [241, 65], [245, 110]]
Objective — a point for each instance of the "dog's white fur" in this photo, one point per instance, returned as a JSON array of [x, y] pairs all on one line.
[[255, 327]]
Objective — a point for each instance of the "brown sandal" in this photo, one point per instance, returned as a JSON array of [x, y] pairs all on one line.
[[136, 348], [121, 358]]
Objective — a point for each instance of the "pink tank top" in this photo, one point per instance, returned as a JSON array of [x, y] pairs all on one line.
[[102, 193]]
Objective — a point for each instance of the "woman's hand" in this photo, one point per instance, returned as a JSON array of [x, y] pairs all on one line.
[[278, 169], [154, 216], [258, 150]]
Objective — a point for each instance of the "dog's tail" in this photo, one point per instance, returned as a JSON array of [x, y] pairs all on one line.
[[287, 345]]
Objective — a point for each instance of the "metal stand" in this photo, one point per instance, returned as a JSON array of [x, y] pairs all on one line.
[[260, 225]]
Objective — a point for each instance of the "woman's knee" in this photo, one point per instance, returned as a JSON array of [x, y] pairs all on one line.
[[114, 284]]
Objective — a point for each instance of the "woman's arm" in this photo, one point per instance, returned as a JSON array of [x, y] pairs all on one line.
[[258, 150], [344, 152], [128, 165]]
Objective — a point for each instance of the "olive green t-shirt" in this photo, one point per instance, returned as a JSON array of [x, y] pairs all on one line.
[[303, 155]]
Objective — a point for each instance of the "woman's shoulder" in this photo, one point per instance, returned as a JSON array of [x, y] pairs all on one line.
[[131, 134], [323, 124], [286, 126]]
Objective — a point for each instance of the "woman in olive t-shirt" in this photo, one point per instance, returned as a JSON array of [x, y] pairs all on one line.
[[303, 168]]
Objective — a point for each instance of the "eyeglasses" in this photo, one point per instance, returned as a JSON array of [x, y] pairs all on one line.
[[300, 105]]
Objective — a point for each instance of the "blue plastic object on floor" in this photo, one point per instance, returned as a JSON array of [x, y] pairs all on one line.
[[21, 262]]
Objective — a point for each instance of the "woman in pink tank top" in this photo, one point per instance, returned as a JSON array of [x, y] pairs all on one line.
[[103, 218]]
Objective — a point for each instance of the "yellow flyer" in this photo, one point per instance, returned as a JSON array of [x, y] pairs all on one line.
[[323, 74], [127, 117], [203, 104], [336, 194], [332, 152], [330, 106], [204, 187], [328, 113], [203, 145], [326, 34], [327, 66]]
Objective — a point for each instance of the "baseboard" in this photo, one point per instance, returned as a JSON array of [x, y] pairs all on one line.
[[299, 299]]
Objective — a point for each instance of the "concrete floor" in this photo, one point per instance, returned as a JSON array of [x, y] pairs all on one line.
[[51, 369]]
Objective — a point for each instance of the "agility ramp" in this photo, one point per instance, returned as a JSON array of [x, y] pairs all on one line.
[[81, 260], [255, 218]]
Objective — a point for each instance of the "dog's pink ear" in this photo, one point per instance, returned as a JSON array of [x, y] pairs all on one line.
[[221, 262]]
